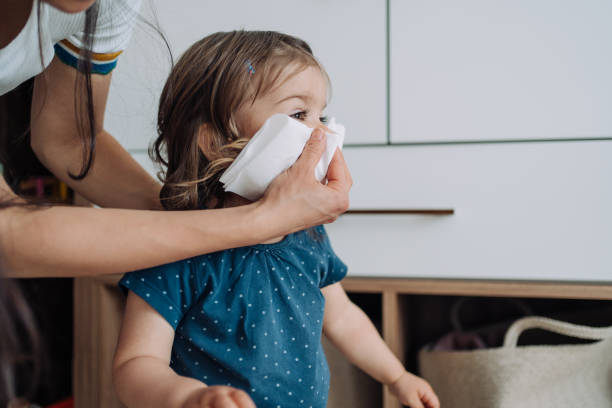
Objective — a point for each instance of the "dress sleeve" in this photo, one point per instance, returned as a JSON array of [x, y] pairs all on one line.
[[335, 270], [115, 23], [169, 289]]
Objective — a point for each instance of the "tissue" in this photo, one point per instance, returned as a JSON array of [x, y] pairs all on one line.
[[272, 150]]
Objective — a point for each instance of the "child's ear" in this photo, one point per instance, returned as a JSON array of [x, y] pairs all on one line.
[[206, 142]]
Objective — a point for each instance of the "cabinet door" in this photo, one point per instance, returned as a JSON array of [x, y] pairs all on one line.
[[347, 36], [500, 70], [533, 211]]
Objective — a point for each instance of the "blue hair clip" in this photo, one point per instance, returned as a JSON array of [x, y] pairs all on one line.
[[250, 67]]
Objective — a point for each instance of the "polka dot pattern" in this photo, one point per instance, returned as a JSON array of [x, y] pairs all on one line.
[[250, 317]]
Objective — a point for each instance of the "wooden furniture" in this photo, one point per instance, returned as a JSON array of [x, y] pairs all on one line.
[[98, 307], [394, 310]]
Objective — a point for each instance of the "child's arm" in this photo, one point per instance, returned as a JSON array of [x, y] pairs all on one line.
[[349, 329], [141, 368]]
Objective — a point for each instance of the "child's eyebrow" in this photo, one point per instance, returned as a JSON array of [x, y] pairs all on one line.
[[305, 98]]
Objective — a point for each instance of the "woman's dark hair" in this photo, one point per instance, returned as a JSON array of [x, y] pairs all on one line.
[[83, 87], [211, 80], [18, 358], [15, 152], [16, 155]]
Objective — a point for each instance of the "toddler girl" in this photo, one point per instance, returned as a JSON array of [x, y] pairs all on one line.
[[242, 327]]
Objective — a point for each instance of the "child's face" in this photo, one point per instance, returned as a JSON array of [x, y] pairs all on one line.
[[303, 97]]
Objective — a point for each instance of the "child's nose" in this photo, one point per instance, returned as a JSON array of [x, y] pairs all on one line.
[[323, 128], [316, 124], [313, 122]]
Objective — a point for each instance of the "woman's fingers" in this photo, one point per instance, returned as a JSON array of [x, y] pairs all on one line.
[[338, 175], [325, 129], [298, 200], [339, 180], [306, 163]]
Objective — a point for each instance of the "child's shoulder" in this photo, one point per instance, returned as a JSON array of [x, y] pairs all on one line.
[[317, 235], [313, 242], [311, 238], [314, 237]]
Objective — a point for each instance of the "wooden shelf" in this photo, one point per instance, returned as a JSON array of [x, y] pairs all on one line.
[[98, 314], [394, 290], [556, 290]]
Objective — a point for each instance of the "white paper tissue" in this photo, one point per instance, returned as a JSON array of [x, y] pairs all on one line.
[[272, 150]]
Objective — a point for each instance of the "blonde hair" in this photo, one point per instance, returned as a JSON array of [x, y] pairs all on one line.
[[211, 80]]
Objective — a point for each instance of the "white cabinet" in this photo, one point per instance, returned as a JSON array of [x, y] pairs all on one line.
[[348, 37], [470, 71], [526, 211], [484, 72], [500, 70]]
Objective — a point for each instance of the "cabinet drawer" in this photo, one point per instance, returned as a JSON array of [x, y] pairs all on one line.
[[499, 70], [534, 211]]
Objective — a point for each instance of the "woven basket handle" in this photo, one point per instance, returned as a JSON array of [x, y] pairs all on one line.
[[564, 328]]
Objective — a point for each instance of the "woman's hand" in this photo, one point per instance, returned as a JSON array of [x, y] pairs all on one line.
[[414, 391], [297, 200], [219, 396]]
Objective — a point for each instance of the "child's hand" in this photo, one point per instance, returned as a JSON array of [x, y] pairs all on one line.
[[414, 392], [219, 396]]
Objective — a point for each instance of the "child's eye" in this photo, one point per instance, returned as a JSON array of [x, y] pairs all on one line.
[[324, 119], [299, 115]]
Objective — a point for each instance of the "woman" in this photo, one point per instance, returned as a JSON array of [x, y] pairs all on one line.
[[67, 108]]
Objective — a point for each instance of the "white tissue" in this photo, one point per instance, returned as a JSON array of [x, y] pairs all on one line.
[[272, 150]]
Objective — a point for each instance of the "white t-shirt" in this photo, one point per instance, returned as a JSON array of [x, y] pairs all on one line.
[[62, 33]]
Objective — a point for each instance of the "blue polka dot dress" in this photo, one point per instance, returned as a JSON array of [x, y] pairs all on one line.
[[250, 317]]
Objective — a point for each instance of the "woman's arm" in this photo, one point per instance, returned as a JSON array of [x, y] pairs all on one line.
[[67, 241], [72, 241], [344, 322], [141, 371], [115, 179]]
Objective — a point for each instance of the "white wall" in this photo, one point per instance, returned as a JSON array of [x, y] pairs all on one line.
[[475, 71]]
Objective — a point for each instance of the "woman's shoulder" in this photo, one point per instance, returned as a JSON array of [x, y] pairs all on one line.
[[115, 20], [49, 30], [18, 60]]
